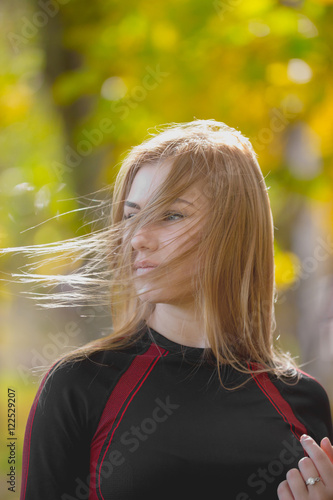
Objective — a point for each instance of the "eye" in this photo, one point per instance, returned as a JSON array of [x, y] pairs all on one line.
[[167, 215], [173, 214], [127, 216]]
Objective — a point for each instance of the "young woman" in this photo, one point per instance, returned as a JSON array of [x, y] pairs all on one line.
[[187, 397]]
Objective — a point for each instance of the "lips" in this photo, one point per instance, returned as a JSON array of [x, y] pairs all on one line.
[[144, 264]]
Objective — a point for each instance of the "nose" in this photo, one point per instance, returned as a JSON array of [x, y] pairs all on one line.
[[145, 237]]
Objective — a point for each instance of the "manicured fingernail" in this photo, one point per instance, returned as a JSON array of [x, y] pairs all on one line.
[[305, 439]]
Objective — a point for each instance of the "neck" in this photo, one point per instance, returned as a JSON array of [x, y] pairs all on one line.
[[179, 324]]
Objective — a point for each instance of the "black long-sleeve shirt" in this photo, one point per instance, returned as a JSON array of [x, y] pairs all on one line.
[[152, 422]]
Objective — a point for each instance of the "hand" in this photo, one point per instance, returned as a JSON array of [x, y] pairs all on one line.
[[319, 463]]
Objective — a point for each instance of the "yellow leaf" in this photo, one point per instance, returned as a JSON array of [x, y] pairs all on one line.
[[287, 266]]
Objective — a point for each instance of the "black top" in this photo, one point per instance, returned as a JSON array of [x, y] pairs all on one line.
[[152, 421]]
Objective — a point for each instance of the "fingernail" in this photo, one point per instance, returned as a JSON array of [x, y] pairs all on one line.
[[306, 439], [326, 440]]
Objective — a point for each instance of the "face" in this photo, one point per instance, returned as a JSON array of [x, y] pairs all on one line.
[[155, 242]]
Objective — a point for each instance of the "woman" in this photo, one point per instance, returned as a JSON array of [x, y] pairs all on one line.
[[187, 395]]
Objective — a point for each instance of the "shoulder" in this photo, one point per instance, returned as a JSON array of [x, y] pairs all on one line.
[[82, 370], [79, 383], [307, 387], [309, 400]]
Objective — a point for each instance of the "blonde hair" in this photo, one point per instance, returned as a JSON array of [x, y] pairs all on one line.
[[234, 273]]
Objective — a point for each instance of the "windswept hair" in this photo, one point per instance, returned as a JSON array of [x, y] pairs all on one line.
[[233, 277]]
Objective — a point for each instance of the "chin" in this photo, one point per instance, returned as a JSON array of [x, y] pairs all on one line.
[[154, 299], [160, 298], [163, 295], [145, 294]]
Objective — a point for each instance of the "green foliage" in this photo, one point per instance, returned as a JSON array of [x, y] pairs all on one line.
[[134, 65], [82, 83]]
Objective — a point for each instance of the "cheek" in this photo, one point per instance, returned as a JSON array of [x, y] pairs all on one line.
[[176, 245], [190, 239], [185, 243]]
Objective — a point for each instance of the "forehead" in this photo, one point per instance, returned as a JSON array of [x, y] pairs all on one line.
[[147, 180], [150, 177]]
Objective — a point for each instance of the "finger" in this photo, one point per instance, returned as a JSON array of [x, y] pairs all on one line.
[[297, 485], [307, 469], [319, 458], [284, 492], [327, 447]]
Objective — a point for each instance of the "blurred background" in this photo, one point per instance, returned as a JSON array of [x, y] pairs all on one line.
[[82, 82]]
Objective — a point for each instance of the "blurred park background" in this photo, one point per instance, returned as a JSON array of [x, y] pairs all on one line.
[[82, 82]]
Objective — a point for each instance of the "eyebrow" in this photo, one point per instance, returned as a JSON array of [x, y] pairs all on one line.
[[135, 205]]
